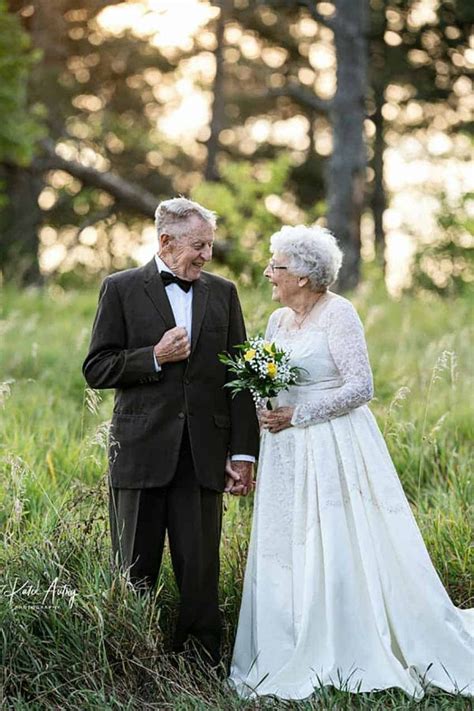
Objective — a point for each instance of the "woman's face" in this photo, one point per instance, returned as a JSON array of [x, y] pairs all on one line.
[[285, 284]]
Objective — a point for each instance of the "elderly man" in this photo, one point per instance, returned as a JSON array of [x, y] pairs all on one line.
[[178, 440]]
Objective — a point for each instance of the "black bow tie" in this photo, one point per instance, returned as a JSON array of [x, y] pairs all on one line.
[[169, 278]]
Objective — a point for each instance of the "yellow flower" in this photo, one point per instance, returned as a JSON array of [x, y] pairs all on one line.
[[268, 347], [272, 369], [249, 355]]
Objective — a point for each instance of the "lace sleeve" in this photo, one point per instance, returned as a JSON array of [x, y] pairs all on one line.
[[348, 348]]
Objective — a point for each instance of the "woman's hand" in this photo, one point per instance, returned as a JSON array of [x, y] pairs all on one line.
[[276, 420], [239, 477]]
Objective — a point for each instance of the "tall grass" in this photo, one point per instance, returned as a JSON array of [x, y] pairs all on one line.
[[75, 636]]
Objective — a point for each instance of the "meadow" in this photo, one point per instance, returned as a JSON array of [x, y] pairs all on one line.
[[75, 637]]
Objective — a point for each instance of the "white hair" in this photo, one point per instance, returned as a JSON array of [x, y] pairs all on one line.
[[311, 252], [171, 215]]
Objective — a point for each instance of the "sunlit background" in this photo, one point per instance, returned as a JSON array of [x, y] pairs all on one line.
[[418, 166]]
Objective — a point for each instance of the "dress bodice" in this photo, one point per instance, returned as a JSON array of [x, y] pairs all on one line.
[[309, 350], [331, 350]]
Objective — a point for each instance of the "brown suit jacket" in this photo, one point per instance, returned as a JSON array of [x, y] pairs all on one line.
[[151, 408]]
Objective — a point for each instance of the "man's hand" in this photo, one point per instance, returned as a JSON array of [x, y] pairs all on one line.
[[276, 420], [174, 346], [239, 477]]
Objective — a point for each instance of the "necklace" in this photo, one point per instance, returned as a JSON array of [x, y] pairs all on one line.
[[301, 321]]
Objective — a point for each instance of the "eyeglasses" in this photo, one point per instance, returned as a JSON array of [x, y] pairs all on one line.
[[275, 266]]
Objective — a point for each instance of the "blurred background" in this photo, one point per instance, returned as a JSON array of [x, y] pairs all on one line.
[[355, 114]]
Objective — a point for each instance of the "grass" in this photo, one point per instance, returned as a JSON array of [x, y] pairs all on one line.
[[78, 637]]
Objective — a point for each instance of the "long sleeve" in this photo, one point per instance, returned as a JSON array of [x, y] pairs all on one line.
[[109, 363], [349, 351]]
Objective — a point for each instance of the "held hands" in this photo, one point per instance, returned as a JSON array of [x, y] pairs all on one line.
[[276, 420], [239, 478], [174, 346]]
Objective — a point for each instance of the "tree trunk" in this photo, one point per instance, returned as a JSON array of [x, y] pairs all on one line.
[[346, 167], [218, 106], [21, 217], [379, 68], [20, 220], [379, 199]]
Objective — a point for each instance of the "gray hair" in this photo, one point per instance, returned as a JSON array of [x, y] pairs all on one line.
[[171, 214], [311, 252]]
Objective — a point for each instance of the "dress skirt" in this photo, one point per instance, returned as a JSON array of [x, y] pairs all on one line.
[[339, 588]]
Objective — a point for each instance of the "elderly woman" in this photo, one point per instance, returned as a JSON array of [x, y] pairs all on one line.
[[339, 588]]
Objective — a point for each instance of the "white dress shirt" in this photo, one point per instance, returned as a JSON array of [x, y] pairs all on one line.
[[182, 307], [181, 301]]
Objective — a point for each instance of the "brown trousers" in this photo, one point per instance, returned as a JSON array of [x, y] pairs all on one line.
[[192, 516]]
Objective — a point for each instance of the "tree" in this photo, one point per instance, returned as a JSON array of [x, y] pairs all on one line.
[[241, 199], [97, 94], [211, 171], [346, 169], [261, 53], [447, 266], [416, 62], [105, 164], [18, 129], [345, 175], [416, 70]]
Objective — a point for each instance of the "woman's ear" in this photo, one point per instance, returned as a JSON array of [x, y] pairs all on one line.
[[302, 281]]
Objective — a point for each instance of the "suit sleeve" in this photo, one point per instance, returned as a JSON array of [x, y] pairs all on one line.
[[109, 363], [244, 423]]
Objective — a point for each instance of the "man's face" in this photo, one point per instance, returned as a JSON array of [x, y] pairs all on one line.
[[187, 254]]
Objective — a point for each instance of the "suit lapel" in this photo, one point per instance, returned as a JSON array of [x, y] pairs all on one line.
[[200, 296], [156, 291]]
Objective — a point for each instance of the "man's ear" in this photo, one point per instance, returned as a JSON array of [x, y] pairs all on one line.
[[164, 240]]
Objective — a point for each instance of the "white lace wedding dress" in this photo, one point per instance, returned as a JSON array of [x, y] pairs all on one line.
[[339, 588]]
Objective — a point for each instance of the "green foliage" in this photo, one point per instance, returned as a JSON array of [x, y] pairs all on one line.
[[19, 130], [241, 200], [106, 650], [103, 96], [422, 61], [447, 266]]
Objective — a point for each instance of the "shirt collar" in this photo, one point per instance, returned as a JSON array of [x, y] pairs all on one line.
[[161, 266]]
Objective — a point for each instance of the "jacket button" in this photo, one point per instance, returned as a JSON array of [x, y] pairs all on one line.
[[181, 415], [186, 381]]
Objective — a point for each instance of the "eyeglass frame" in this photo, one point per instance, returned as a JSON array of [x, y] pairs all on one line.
[[275, 266]]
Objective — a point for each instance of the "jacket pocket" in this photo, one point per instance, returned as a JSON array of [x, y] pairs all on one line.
[[127, 429], [222, 421]]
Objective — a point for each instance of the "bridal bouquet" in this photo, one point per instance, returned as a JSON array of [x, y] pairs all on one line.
[[260, 367]]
